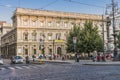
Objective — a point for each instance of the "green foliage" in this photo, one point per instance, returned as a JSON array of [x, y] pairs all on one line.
[[88, 38]]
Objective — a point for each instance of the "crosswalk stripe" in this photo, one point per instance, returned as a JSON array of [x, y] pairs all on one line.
[[26, 67], [21, 67], [18, 67], [32, 66], [11, 68]]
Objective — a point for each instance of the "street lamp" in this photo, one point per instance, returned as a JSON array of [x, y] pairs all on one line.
[[74, 41]]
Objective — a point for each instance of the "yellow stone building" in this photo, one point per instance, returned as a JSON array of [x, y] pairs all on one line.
[[33, 28]]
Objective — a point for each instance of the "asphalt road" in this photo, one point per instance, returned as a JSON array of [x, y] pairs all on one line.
[[73, 71]]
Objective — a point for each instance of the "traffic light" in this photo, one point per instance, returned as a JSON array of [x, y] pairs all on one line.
[[108, 21]]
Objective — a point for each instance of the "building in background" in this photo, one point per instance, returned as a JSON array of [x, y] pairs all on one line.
[[36, 32], [4, 29]]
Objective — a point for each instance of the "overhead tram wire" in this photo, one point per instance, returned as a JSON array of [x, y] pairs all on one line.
[[76, 2], [8, 6], [48, 4]]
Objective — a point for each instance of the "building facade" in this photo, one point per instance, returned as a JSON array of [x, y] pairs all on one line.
[[40, 31]]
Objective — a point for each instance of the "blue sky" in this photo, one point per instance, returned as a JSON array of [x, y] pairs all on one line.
[[7, 6]]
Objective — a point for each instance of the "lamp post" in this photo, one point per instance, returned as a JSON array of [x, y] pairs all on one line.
[[6, 50], [74, 41], [53, 48]]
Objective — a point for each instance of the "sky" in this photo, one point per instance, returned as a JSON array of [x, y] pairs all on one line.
[[7, 7]]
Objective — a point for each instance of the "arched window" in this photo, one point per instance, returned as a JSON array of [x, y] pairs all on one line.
[[34, 35], [58, 36]]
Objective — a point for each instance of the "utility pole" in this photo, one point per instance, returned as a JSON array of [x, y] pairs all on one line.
[[103, 34], [114, 7]]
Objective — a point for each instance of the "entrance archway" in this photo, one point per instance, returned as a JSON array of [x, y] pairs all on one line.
[[59, 51]]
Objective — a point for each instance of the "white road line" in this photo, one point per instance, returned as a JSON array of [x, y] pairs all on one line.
[[11, 68], [26, 67], [18, 67]]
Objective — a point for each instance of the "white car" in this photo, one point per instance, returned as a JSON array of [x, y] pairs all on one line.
[[17, 59], [1, 60]]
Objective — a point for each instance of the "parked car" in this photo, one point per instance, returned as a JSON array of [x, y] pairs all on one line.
[[1, 60], [17, 59]]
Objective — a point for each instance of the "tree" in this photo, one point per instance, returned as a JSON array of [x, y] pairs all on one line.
[[118, 36], [74, 32], [91, 38], [88, 38]]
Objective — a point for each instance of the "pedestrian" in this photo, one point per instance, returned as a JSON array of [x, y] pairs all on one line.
[[12, 58], [33, 56], [75, 57], [63, 58], [93, 58], [98, 57], [27, 59], [102, 57], [78, 57], [54, 56]]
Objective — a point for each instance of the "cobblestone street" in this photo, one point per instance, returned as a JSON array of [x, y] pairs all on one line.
[[57, 71]]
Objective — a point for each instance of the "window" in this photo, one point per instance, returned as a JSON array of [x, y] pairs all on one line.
[[34, 51], [41, 23], [58, 24], [72, 24], [26, 51], [33, 23], [25, 34], [25, 22], [49, 23], [65, 24], [49, 36], [58, 36], [34, 35]]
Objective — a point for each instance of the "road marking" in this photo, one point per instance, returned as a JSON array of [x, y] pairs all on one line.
[[18, 67], [32, 66], [11, 68], [26, 67]]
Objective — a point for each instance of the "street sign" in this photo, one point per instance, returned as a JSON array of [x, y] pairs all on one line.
[[74, 40]]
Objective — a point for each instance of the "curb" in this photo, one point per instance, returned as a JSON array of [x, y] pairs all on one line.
[[103, 64], [61, 62]]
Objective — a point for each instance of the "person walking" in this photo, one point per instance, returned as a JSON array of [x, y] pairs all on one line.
[[27, 59], [33, 56]]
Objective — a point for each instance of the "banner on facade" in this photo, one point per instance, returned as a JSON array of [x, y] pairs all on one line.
[[59, 41]]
